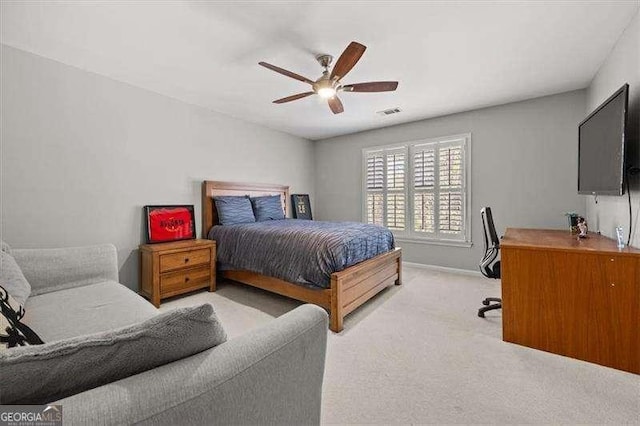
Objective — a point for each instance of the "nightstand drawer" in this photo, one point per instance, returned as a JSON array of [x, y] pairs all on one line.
[[180, 281], [185, 259]]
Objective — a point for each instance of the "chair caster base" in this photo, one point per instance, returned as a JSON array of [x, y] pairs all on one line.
[[489, 307]]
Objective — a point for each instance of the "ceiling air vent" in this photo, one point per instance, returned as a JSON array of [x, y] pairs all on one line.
[[389, 111]]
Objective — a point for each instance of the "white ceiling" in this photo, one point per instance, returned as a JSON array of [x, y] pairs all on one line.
[[448, 56]]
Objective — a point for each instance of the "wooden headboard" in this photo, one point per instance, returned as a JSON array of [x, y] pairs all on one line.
[[211, 188]]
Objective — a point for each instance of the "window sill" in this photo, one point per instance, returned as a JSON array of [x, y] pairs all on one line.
[[451, 243]]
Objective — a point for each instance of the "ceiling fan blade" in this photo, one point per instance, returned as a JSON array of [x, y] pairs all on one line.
[[374, 86], [293, 97], [335, 105], [347, 60], [285, 72]]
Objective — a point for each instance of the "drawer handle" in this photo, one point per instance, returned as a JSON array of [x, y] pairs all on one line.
[[186, 279], [186, 259]]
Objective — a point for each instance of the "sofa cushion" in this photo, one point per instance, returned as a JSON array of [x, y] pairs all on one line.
[[71, 366], [85, 310], [54, 269], [12, 279]]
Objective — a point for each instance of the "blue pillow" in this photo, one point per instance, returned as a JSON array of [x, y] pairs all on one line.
[[267, 208], [233, 210]]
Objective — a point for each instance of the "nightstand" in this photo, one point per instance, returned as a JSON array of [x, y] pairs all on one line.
[[169, 269]]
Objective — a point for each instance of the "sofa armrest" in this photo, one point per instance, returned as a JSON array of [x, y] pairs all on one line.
[[272, 375], [56, 269]]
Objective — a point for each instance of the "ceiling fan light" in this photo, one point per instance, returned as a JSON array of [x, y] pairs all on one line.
[[327, 92]]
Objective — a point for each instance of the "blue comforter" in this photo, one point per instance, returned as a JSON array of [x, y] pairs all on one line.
[[299, 251]]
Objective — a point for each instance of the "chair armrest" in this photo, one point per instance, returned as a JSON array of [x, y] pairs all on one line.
[[272, 375], [56, 269]]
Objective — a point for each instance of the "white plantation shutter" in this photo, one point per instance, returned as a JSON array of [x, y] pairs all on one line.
[[424, 213], [424, 186], [396, 166], [395, 211], [424, 160], [451, 199], [375, 172], [419, 190], [450, 212], [375, 208], [385, 185], [375, 188]]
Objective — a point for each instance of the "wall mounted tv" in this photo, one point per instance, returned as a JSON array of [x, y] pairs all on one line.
[[602, 146]]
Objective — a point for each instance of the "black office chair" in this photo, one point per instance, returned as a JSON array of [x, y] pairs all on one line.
[[489, 267]]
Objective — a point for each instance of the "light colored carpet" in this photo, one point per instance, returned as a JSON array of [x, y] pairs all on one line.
[[418, 353]]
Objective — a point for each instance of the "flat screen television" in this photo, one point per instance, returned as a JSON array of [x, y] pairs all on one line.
[[601, 147]]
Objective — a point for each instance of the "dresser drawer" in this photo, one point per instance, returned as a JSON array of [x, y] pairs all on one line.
[[180, 281], [184, 259]]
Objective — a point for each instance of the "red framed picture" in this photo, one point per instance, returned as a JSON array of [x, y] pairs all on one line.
[[169, 223]]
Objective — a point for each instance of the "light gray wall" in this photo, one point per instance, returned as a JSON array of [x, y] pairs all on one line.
[[621, 66], [524, 165], [81, 155]]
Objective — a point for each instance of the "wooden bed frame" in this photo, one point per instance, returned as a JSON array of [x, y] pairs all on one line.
[[350, 287]]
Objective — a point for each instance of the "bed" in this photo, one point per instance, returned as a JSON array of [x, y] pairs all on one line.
[[343, 292]]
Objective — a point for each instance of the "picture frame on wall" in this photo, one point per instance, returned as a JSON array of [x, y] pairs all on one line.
[[169, 223], [301, 206]]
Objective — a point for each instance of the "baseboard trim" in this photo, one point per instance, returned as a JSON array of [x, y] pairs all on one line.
[[443, 269]]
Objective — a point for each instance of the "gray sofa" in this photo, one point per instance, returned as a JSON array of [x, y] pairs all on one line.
[[272, 375]]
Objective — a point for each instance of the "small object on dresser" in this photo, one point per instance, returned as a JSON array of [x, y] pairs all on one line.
[[620, 237], [301, 206], [573, 222], [169, 223], [170, 269], [582, 227]]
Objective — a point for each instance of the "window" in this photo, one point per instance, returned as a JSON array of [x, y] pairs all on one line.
[[420, 190]]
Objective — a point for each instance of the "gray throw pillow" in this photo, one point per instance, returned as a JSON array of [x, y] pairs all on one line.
[[46, 373], [233, 209], [12, 279], [268, 207]]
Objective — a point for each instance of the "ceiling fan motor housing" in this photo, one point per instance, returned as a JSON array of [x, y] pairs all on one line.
[[324, 60], [324, 82]]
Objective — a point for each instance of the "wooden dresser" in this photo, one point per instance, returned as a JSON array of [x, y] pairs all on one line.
[[169, 269], [578, 298]]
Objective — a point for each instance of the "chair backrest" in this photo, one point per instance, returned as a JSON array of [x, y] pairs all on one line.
[[489, 227], [491, 245]]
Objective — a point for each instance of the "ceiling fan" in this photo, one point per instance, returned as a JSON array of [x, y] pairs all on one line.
[[329, 84]]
